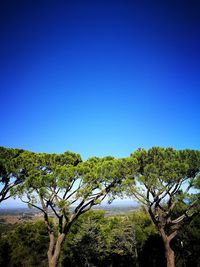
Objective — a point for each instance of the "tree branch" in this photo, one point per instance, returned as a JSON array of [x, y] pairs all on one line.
[[172, 235], [54, 210], [183, 216]]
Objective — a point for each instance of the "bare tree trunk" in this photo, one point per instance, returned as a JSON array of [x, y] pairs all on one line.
[[169, 253], [53, 254], [51, 247]]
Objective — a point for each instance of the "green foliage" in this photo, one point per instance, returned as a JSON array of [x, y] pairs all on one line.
[[143, 226], [25, 245], [96, 240], [187, 244], [166, 176], [11, 170], [45, 173]]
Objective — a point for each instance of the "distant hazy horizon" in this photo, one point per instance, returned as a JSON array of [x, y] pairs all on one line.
[[14, 204]]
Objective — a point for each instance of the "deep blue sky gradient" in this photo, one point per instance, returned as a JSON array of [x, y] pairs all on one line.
[[99, 77]]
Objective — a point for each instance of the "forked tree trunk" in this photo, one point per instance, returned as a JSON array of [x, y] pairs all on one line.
[[54, 249], [169, 253]]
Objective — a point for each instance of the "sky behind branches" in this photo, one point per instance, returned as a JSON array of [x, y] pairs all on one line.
[[99, 77]]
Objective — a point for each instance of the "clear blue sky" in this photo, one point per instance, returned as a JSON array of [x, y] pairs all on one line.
[[99, 77]]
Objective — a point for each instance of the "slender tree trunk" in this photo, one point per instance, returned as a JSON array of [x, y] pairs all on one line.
[[54, 253], [169, 253], [51, 248]]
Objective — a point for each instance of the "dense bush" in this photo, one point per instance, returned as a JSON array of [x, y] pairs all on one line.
[[24, 246]]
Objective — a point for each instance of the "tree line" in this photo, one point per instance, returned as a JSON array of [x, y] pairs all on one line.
[[165, 181]]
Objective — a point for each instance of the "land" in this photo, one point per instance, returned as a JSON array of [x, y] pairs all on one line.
[[21, 215]]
